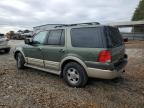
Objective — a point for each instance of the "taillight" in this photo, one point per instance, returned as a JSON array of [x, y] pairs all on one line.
[[104, 56]]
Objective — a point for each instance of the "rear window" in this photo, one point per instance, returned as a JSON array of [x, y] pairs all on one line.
[[89, 37], [114, 37]]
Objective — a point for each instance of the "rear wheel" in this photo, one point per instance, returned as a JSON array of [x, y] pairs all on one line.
[[74, 75], [20, 61]]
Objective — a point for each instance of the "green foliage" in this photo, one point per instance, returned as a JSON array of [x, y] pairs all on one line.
[[139, 12]]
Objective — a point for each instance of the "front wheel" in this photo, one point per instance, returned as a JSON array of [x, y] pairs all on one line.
[[20, 61], [74, 75]]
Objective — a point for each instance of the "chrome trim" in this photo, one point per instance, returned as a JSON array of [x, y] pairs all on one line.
[[43, 63], [104, 74], [92, 62], [34, 61], [52, 64], [43, 69]]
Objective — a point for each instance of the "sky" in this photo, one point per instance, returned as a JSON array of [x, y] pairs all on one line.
[[25, 14]]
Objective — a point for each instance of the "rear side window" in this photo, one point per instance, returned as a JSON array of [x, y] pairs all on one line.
[[56, 37], [89, 37], [114, 37]]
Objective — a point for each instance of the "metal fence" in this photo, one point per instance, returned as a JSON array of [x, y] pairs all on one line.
[[133, 36]]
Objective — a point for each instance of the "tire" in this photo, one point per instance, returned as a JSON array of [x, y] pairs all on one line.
[[7, 50], [74, 75], [20, 61]]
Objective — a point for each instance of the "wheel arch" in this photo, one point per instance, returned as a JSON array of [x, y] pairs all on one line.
[[19, 51], [71, 59]]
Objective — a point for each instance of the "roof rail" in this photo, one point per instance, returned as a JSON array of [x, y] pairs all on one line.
[[89, 23], [68, 25], [49, 25]]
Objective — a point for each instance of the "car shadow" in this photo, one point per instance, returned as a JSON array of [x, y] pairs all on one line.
[[113, 82], [2, 52], [91, 81], [35, 72]]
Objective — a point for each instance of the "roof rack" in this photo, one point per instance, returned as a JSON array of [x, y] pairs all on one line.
[[49, 25], [68, 25]]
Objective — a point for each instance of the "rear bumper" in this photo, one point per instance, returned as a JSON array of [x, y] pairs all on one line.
[[107, 73], [104, 74], [4, 47]]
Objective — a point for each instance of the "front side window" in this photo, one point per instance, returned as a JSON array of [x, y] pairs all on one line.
[[40, 37], [56, 37]]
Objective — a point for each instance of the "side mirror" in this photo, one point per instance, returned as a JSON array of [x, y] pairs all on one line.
[[28, 41], [125, 39]]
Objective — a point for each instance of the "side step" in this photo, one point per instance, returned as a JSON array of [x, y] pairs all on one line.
[[43, 69]]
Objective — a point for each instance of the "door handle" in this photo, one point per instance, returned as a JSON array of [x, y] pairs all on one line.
[[61, 50]]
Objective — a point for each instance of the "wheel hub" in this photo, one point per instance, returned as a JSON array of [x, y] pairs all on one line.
[[72, 75]]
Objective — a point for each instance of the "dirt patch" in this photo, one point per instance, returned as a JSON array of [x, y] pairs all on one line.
[[31, 88], [135, 44]]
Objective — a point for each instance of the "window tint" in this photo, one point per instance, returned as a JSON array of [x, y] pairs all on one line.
[[40, 37], [56, 37], [62, 40], [114, 37], [91, 37]]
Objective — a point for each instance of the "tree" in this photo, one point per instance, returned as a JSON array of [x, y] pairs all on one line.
[[26, 31], [10, 34], [139, 15], [19, 31], [139, 12]]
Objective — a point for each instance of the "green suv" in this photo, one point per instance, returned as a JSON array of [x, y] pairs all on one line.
[[75, 52]]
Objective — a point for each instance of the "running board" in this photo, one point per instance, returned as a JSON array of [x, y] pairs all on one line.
[[42, 69]]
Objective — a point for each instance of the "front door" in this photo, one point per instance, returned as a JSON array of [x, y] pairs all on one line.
[[33, 52], [55, 49]]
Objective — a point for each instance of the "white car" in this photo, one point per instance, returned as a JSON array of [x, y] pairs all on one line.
[[4, 43]]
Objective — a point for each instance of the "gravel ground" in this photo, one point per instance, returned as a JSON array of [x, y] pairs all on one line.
[[31, 88]]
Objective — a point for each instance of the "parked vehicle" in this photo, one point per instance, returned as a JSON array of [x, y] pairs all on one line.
[[75, 52], [27, 35], [4, 43], [20, 35]]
